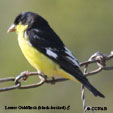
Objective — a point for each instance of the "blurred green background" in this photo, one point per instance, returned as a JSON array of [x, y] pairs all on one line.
[[85, 26]]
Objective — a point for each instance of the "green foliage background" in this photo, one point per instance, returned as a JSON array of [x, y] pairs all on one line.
[[85, 26]]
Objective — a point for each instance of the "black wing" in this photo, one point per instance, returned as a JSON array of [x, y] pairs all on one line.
[[48, 43]]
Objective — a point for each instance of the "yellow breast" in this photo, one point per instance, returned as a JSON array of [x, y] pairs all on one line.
[[36, 58]]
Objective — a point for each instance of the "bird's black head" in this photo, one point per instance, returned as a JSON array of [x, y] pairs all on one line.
[[30, 19]]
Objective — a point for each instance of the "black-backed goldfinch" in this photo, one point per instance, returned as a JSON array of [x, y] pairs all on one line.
[[45, 51]]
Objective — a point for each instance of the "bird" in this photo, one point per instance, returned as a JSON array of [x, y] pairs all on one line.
[[45, 51]]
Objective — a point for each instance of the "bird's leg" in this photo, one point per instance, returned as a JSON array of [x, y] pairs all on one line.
[[53, 81]]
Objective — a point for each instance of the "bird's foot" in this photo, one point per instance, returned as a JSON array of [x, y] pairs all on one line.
[[53, 81]]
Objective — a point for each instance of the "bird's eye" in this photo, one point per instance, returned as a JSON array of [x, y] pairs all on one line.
[[24, 21]]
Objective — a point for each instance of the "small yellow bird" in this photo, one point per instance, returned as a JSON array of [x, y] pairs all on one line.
[[45, 51]]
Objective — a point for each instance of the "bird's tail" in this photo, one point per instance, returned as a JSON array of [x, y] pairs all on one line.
[[78, 76], [93, 90]]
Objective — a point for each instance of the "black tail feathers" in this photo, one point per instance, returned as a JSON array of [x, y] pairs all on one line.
[[94, 90]]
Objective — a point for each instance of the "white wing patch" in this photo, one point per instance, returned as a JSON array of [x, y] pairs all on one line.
[[71, 57], [51, 53]]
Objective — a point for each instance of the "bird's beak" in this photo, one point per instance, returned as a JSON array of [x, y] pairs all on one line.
[[12, 28]]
